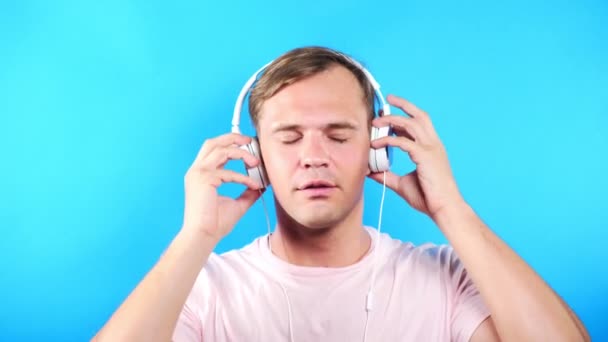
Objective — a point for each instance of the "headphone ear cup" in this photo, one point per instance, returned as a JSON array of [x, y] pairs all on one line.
[[380, 158], [257, 173]]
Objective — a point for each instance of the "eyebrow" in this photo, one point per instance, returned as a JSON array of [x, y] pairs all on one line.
[[330, 126]]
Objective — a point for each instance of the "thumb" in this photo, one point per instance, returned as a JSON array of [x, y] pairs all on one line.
[[248, 198], [392, 180]]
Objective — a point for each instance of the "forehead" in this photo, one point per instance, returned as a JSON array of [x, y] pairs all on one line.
[[334, 94]]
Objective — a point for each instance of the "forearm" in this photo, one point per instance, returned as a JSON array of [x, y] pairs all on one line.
[[151, 311], [523, 306]]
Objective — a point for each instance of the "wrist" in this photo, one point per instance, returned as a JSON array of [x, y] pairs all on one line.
[[199, 234], [454, 211]]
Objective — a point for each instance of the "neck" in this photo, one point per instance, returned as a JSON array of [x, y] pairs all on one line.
[[338, 245]]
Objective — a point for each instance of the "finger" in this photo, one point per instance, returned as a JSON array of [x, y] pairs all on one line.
[[220, 156], [413, 111], [402, 126], [248, 198], [406, 106], [224, 140], [229, 176], [392, 180], [403, 143], [409, 187]]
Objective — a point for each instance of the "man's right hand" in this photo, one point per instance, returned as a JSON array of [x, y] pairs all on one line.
[[151, 311], [205, 210]]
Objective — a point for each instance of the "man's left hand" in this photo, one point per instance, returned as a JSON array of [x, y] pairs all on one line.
[[431, 187]]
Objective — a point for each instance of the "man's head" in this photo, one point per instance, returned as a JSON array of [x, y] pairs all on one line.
[[312, 109], [301, 63]]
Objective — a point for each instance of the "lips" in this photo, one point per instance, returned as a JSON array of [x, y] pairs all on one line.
[[317, 184], [317, 189]]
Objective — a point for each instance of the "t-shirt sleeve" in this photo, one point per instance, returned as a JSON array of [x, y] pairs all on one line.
[[189, 327], [468, 308]]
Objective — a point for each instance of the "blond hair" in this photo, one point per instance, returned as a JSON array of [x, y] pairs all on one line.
[[301, 63]]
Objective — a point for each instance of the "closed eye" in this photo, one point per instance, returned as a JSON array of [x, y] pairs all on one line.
[[290, 141], [289, 138]]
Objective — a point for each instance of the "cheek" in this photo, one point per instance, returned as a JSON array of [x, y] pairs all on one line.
[[353, 153], [354, 167], [278, 163]]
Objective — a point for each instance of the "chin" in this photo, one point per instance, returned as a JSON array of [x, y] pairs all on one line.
[[312, 215], [318, 219], [317, 223], [309, 218]]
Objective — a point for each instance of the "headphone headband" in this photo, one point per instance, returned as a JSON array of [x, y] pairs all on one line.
[[236, 115]]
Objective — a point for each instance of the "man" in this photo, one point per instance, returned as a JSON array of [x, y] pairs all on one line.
[[322, 275]]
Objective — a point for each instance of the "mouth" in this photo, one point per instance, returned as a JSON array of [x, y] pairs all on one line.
[[317, 189], [317, 184]]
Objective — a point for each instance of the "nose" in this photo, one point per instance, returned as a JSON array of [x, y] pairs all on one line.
[[314, 152]]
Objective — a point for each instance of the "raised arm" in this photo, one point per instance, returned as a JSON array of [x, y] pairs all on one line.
[[151, 311], [523, 307]]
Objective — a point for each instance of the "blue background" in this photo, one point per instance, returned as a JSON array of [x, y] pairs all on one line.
[[104, 106]]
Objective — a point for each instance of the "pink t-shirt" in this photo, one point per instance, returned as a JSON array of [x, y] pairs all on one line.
[[421, 293]]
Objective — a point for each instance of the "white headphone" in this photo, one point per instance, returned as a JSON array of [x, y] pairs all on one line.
[[379, 159]]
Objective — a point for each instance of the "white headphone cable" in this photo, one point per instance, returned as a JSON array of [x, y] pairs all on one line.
[[369, 299], [291, 339]]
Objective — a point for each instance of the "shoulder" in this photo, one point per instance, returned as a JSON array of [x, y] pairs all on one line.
[[403, 249], [232, 268], [426, 257]]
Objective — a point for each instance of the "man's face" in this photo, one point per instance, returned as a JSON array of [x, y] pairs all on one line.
[[314, 137]]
